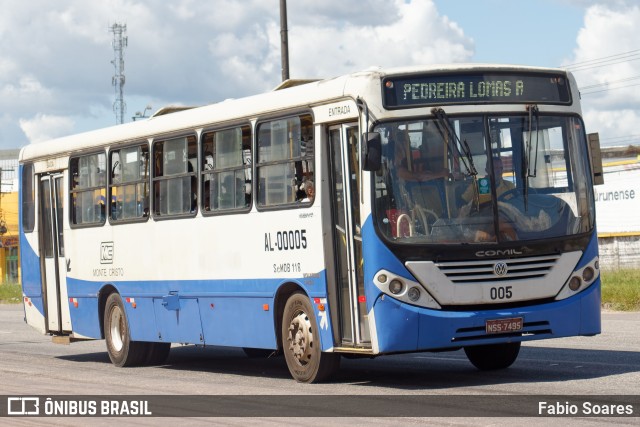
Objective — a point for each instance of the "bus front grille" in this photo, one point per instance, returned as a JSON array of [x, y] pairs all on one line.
[[498, 270]]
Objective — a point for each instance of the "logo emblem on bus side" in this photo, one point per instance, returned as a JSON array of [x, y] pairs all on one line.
[[500, 269], [106, 253]]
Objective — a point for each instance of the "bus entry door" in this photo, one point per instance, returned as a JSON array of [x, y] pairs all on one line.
[[347, 238], [52, 262]]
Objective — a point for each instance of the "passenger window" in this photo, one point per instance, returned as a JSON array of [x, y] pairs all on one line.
[[28, 199], [226, 169], [129, 185], [285, 162], [88, 189], [175, 185]]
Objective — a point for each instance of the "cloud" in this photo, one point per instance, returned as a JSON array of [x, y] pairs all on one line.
[[44, 127], [417, 35], [24, 93], [56, 55], [609, 30]]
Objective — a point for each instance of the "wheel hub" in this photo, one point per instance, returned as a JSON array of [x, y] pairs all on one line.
[[117, 329], [300, 338]]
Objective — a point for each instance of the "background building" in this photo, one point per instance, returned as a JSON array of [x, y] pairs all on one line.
[[617, 210], [9, 261]]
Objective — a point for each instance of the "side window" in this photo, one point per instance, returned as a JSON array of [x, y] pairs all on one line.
[[226, 170], [285, 162], [129, 183], [28, 199], [88, 189], [175, 184]]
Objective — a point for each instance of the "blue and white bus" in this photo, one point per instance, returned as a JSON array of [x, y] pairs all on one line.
[[385, 211]]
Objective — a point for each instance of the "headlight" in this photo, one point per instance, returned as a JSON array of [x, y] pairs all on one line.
[[588, 274], [575, 283], [414, 294], [395, 287]]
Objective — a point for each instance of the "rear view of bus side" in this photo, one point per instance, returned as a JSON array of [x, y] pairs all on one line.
[[386, 211]]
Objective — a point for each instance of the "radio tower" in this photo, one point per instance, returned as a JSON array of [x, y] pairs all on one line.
[[119, 43]]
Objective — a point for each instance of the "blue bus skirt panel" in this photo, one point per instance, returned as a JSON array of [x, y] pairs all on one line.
[[31, 276], [240, 314], [85, 319], [401, 327]]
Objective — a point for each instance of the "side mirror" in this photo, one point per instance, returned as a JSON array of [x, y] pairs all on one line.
[[371, 151], [596, 158]]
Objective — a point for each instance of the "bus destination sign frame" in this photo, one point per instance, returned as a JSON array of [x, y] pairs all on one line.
[[411, 91]]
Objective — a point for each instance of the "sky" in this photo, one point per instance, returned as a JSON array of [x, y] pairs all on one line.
[[56, 70]]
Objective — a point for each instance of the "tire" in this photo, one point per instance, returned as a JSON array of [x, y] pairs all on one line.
[[157, 352], [122, 351], [301, 344], [493, 356]]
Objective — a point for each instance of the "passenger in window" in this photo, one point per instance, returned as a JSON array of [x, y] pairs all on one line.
[[194, 194], [240, 193], [99, 209], [408, 168], [206, 195], [114, 208], [226, 196], [300, 193], [194, 188], [247, 194], [309, 191]]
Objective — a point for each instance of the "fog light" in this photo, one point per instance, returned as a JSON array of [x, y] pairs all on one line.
[[395, 287], [588, 274], [382, 278], [597, 265], [414, 294], [574, 283]]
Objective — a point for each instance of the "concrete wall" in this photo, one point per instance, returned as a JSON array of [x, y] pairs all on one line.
[[619, 252]]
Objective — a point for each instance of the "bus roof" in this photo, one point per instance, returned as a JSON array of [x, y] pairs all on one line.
[[284, 97]]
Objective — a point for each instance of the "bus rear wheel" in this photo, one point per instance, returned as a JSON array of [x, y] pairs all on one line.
[[122, 351], [493, 356], [301, 343]]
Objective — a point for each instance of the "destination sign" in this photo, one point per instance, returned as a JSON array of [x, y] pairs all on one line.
[[411, 91]]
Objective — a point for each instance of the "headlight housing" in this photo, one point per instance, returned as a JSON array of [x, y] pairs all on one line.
[[404, 289]]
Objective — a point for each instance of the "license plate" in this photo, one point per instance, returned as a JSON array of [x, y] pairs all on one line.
[[503, 326]]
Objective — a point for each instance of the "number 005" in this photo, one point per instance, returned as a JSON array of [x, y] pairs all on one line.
[[501, 293]]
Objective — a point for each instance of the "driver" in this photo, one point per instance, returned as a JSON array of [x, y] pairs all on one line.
[[484, 188], [484, 196]]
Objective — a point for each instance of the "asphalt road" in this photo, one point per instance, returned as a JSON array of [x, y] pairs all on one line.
[[608, 364]]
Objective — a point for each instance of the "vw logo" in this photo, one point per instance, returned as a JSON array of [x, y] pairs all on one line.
[[500, 269]]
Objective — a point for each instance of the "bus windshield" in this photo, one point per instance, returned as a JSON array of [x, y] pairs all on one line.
[[483, 179]]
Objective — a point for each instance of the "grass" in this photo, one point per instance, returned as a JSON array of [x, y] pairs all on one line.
[[620, 290], [10, 293]]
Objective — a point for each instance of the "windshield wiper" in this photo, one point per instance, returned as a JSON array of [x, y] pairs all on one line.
[[454, 143], [526, 155], [533, 113]]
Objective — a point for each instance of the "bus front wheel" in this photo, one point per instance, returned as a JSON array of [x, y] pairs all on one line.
[[122, 351], [301, 343], [493, 356]]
